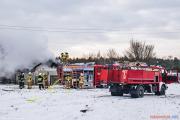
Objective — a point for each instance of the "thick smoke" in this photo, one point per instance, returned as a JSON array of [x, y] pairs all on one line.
[[21, 50]]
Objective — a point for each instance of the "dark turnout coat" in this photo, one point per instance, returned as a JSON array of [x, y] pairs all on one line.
[[40, 79]]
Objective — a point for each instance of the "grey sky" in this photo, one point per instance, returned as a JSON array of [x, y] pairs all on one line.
[[83, 26]]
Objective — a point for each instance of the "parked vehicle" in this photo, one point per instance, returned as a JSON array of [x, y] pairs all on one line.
[[75, 71], [137, 80]]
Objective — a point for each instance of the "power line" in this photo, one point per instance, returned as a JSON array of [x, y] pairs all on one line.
[[118, 28], [84, 30]]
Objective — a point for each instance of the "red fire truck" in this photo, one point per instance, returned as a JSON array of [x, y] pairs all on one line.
[[137, 80], [94, 75], [98, 75]]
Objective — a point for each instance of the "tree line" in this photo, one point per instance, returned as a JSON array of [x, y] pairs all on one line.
[[137, 52]]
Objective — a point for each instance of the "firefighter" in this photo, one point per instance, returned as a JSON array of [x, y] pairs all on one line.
[[81, 81], [75, 83], [29, 80], [40, 81], [68, 81], [46, 84], [21, 80]]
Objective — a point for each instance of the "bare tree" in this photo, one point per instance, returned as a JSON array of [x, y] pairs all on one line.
[[98, 56], [140, 51], [112, 55], [89, 56]]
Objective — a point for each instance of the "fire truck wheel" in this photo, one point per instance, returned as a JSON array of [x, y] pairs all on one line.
[[116, 94], [138, 92], [120, 93]]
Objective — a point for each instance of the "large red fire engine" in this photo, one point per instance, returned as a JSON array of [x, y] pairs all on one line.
[[134, 80], [137, 80]]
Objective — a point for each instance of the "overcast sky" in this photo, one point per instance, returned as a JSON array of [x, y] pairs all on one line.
[[83, 26]]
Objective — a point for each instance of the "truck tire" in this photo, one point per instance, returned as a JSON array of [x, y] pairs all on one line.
[[138, 92], [116, 94], [116, 90]]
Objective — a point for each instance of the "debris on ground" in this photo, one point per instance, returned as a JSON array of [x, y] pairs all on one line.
[[8, 90], [86, 109]]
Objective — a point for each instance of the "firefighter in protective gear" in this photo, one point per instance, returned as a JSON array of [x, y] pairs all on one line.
[[64, 57], [75, 83], [81, 81], [21, 80], [46, 84], [40, 81], [68, 81], [29, 80]]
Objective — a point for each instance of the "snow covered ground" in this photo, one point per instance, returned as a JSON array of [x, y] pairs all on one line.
[[88, 104]]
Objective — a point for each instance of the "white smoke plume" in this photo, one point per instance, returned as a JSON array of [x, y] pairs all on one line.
[[20, 50]]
